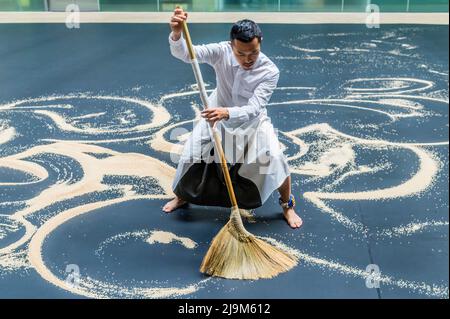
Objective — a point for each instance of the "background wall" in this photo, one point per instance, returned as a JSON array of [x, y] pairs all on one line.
[[239, 5]]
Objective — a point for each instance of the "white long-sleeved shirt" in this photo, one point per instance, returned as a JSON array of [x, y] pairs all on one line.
[[244, 92]]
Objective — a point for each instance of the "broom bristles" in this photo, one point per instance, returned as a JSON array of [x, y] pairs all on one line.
[[236, 254]]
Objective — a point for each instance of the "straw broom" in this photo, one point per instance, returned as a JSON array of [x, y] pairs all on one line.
[[234, 252]]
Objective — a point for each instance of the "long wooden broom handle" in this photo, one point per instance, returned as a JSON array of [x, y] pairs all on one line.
[[217, 141], [187, 37]]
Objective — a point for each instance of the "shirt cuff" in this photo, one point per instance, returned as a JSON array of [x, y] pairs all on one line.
[[234, 113], [177, 43]]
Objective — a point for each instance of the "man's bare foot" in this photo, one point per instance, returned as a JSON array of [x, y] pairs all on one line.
[[292, 218], [173, 205]]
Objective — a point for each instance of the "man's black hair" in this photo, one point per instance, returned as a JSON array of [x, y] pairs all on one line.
[[245, 31]]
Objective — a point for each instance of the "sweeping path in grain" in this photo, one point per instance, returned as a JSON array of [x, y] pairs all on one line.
[[362, 116]]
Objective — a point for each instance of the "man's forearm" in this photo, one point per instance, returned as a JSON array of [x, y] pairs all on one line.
[[178, 47]]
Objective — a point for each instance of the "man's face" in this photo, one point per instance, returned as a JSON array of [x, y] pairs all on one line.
[[246, 53]]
